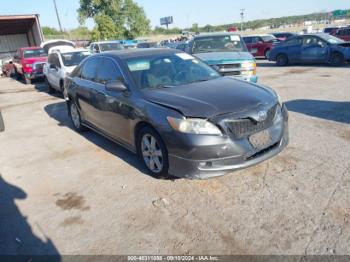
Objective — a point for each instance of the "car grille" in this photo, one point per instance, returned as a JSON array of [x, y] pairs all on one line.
[[239, 128], [230, 69], [39, 67]]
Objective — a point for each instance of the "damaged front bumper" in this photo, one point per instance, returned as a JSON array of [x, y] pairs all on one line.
[[209, 157]]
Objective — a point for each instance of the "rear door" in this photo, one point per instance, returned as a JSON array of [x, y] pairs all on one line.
[[314, 50], [85, 88]]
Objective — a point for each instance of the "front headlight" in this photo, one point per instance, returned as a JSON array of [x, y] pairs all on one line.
[[248, 65], [194, 126]]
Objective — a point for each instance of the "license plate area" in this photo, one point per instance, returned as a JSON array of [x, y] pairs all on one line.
[[261, 140]]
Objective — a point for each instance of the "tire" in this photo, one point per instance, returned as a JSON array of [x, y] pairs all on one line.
[[337, 59], [18, 76], [50, 89], [75, 117], [282, 60], [267, 53], [153, 153], [27, 81]]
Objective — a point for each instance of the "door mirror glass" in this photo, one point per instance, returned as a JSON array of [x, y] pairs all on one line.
[[116, 85], [52, 66]]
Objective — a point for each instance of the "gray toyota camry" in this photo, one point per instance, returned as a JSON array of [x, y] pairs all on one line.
[[177, 113]]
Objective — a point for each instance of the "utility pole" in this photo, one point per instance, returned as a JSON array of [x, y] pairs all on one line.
[[58, 17], [242, 18]]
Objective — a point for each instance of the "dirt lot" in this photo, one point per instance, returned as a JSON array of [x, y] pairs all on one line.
[[66, 193]]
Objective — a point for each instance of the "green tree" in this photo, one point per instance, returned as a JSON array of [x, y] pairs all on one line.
[[195, 28], [114, 18], [50, 31]]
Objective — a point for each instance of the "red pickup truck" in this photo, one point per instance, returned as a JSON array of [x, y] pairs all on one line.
[[260, 45], [29, 62], [343, 33]]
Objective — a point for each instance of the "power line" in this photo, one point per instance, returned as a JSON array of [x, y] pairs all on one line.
[[58, 17]]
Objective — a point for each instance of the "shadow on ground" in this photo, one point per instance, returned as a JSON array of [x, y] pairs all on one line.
[[329, 110], [58, 111], [16, 235]]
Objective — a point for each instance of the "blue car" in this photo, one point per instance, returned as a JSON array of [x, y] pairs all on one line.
[[311, 48]]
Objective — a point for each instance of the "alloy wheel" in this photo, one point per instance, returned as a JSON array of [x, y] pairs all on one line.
[[75, 115], [152, 153]]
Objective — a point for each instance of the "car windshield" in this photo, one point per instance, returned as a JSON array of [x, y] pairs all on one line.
[[332, 39], [169, 71], [110, 47], [224, 43], [34, 53], [269, 38], [74, 58]]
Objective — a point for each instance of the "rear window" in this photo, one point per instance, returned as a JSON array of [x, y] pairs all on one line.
[[34, 53]]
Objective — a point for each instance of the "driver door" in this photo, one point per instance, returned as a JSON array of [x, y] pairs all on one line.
[[314, 50]]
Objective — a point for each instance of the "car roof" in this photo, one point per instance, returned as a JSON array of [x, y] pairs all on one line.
[[215, 34], [135, 53], [258, 35], [72, 50], [31, 48], [106, 42]]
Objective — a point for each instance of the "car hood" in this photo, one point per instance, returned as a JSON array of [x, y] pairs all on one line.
[[216, 58], [211, 98], [346, 44]]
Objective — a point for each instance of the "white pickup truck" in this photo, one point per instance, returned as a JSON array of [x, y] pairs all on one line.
[[61, 61]]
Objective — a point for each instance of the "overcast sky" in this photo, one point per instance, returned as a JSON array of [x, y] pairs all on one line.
[[185, 12]]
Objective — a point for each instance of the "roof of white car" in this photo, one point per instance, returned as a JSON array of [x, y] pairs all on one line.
[[66, 49]]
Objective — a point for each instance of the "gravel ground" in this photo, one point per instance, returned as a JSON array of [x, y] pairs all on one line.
[[66, 193]]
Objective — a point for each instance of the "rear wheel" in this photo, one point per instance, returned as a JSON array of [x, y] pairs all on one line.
[[75, 117], [282, 60], [337, 59], [153, 152], [267, 53]]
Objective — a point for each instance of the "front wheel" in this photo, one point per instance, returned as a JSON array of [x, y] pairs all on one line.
[[75, 117], [153, 152], [282, 60], [27, 81], [337, 59], [267, 53]]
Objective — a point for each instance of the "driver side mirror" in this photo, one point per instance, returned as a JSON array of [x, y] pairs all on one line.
[[52, 66], [116, 85]]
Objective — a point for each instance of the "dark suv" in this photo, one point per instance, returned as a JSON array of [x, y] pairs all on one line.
[[176, 112]]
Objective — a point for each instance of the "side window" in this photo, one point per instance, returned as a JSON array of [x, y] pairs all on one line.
[[89, 69], [96, 48], [56, 61], [50, 59], [248, 40], [293, 41], [108, 71]]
